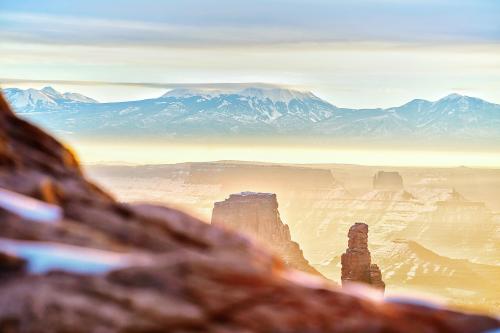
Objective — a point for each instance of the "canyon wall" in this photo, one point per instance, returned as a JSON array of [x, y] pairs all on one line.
[[257, 215]]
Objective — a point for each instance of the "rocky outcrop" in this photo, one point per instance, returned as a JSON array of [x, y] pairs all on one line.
[[384, 180], [257, 215], [356, 261], [96, 265]]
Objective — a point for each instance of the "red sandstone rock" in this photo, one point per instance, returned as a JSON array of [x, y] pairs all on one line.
[[161, 270], [257, 215], [356, 261]]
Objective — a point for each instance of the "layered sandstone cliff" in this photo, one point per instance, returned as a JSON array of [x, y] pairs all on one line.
[[257, 215], [72, 259], [356, 261]]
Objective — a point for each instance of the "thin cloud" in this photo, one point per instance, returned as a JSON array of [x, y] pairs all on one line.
[[224, 22], [221, 85]]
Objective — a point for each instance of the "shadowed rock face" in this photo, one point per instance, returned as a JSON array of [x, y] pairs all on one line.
[[161, 270], [257, 215], [356, 261]]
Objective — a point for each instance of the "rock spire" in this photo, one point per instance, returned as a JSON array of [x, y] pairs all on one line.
[[356, 261]]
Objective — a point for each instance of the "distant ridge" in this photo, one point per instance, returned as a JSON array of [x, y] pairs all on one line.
[[260, 111], [273, 94], [33, 100]]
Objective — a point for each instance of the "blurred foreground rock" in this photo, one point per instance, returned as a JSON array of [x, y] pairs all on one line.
[[86, 263]]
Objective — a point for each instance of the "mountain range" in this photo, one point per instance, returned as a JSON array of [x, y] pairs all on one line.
[[33, 100], [258, 111]]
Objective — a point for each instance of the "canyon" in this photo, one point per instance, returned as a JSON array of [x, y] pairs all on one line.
[[91, 263], [95, 264], [319, 203]]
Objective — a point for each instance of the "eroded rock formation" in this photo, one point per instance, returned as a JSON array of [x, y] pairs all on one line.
[[96, 265], [356, 261], [257, 215], [387, 180]]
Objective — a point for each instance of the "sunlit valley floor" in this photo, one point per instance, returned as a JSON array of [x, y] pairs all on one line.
[[437, 236]]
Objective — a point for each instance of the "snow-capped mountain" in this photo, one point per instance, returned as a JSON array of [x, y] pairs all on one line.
[[189, 113], [454, 116], [46, 99], [460, 114], [260, 110], [269, 106], [274, 94]]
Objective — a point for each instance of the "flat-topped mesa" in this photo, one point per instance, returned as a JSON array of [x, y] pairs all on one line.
[[356, 261], [384, 180], [253, 213], [257, 215]]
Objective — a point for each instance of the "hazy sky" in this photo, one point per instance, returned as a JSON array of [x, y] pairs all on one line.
[[355, 53]]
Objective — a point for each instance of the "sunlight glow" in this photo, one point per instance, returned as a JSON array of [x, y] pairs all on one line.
[[110, 153]]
